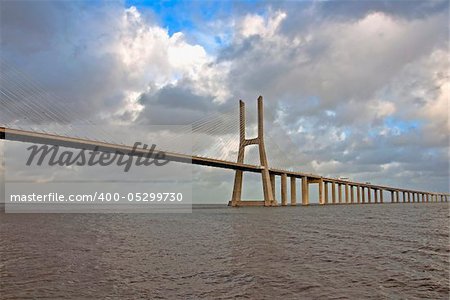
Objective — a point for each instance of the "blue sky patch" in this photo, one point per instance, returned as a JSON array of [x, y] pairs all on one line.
[[401, 125], [191, 18]]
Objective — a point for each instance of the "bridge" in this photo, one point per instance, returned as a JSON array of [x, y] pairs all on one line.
[[330, 190], [22, 99]]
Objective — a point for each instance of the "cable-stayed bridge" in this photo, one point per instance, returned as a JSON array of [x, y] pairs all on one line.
[[25, 105]]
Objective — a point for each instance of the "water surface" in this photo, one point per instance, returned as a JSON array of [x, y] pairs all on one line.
[[389, 251]]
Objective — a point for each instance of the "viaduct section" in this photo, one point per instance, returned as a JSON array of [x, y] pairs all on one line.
[[331, 190]]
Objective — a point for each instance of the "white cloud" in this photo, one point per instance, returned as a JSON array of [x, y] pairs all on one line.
[[253, 24]]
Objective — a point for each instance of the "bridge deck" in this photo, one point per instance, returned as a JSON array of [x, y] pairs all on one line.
[[77, 143]]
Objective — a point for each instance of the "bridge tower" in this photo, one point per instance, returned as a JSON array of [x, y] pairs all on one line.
[[269, 199]]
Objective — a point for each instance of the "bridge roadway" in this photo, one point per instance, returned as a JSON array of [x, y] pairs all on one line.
[[78, 143]]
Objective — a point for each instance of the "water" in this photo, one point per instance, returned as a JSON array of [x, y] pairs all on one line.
[[390, 251]]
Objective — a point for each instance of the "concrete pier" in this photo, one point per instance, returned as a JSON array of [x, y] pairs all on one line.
[[293, 192], [305, 191], [333, 192], [321, 200], [347, 199], [358, 192], [352, 194], [284, 190], [272, 184]]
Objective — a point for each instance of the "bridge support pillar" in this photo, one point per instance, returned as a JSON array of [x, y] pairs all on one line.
[[272, 185], [283, 189], [358, 194], [333, 192], [375, 195], [369, 196], [352, 195], [269, 199], [363, 195], [347, 200], [293, 192], [381, 196], [321, 201], [305, 191], [237, 190], [325, 191], [340, 193]]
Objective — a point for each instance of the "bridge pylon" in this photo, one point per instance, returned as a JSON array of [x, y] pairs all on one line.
[[269, 199]]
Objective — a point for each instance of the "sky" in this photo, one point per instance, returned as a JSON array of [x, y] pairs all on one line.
[[356, 89]]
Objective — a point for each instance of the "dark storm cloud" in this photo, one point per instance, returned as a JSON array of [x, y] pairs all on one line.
[[28, 26], [55, 44], [178, 104], [175, 105]]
